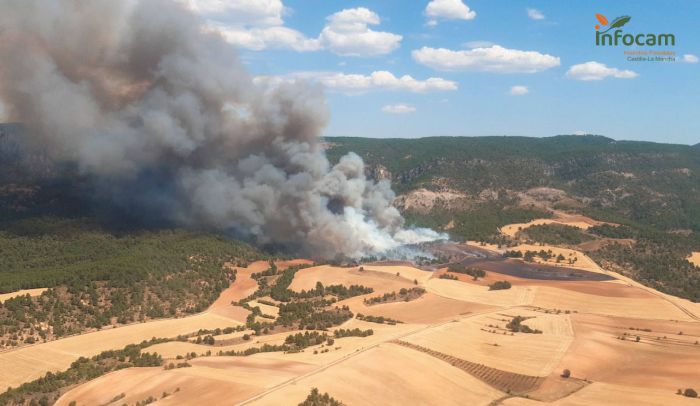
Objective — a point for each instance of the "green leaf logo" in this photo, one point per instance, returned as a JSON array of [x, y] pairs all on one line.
[[618, 23]]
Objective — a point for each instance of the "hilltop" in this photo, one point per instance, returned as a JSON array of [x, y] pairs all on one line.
[[472, 186]]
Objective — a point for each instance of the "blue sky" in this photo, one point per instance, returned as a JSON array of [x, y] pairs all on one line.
[[476, 50]]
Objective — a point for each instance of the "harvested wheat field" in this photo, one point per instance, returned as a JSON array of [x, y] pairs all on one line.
[[244, 286], [485, 339], [171, 350], [467, 292], [582, 261], [347, 346], [512, 229], [613, 288], [207, 381], [409, 272], [23, 292], [380, 281], [694, 258], [266, 309], [606, 394], [389, 375], [649, 307], [27, 363], [600, 354], [456, 343], [429, 308]]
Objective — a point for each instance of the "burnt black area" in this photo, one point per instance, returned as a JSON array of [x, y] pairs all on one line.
[[528, 270], [489, 261]]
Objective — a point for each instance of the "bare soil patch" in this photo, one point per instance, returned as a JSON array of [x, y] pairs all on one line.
[[23, 292]]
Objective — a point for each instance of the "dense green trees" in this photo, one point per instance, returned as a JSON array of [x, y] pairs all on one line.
[[341, 292], [657, 260], [97, 278], [473, 272], [378, 319], [402, 295], [356, 332], [610, 231], [555, 234]]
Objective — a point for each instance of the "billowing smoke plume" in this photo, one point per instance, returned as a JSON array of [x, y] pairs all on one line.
[[165, 117]]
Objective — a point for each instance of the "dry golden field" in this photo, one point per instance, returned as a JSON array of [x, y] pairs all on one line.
[[452, 347], [581, 260], [694, 258], [30, 292], [31, 362], [512, 229]]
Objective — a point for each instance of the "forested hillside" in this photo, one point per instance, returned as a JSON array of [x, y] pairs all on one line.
[[99, 278], [651, 184], [471, 186]]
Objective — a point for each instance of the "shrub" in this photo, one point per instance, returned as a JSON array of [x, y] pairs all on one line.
[[690, 393], [515, 325], [500, 285], [565, 373], [315, 398], [459, 268]]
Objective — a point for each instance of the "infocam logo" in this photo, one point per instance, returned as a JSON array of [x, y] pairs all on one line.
[[618, 37]]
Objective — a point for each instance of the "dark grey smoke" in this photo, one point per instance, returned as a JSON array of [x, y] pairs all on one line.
[[167, 119]]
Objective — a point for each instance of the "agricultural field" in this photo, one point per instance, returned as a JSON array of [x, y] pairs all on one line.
[[280, 331], [512, 229]]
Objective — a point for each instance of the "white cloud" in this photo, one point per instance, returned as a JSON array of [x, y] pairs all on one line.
[[535, 14], [347, 33], [690, 58], [400, 108], [519, 90], [597, 71], [387, 81], [489, 59], [448, 10], [258, 25], [580, 132], [252, 24], [248, 12], [357, 83], [267, 37]]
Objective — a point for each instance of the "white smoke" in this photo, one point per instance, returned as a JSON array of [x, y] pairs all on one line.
[[164, 116]]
